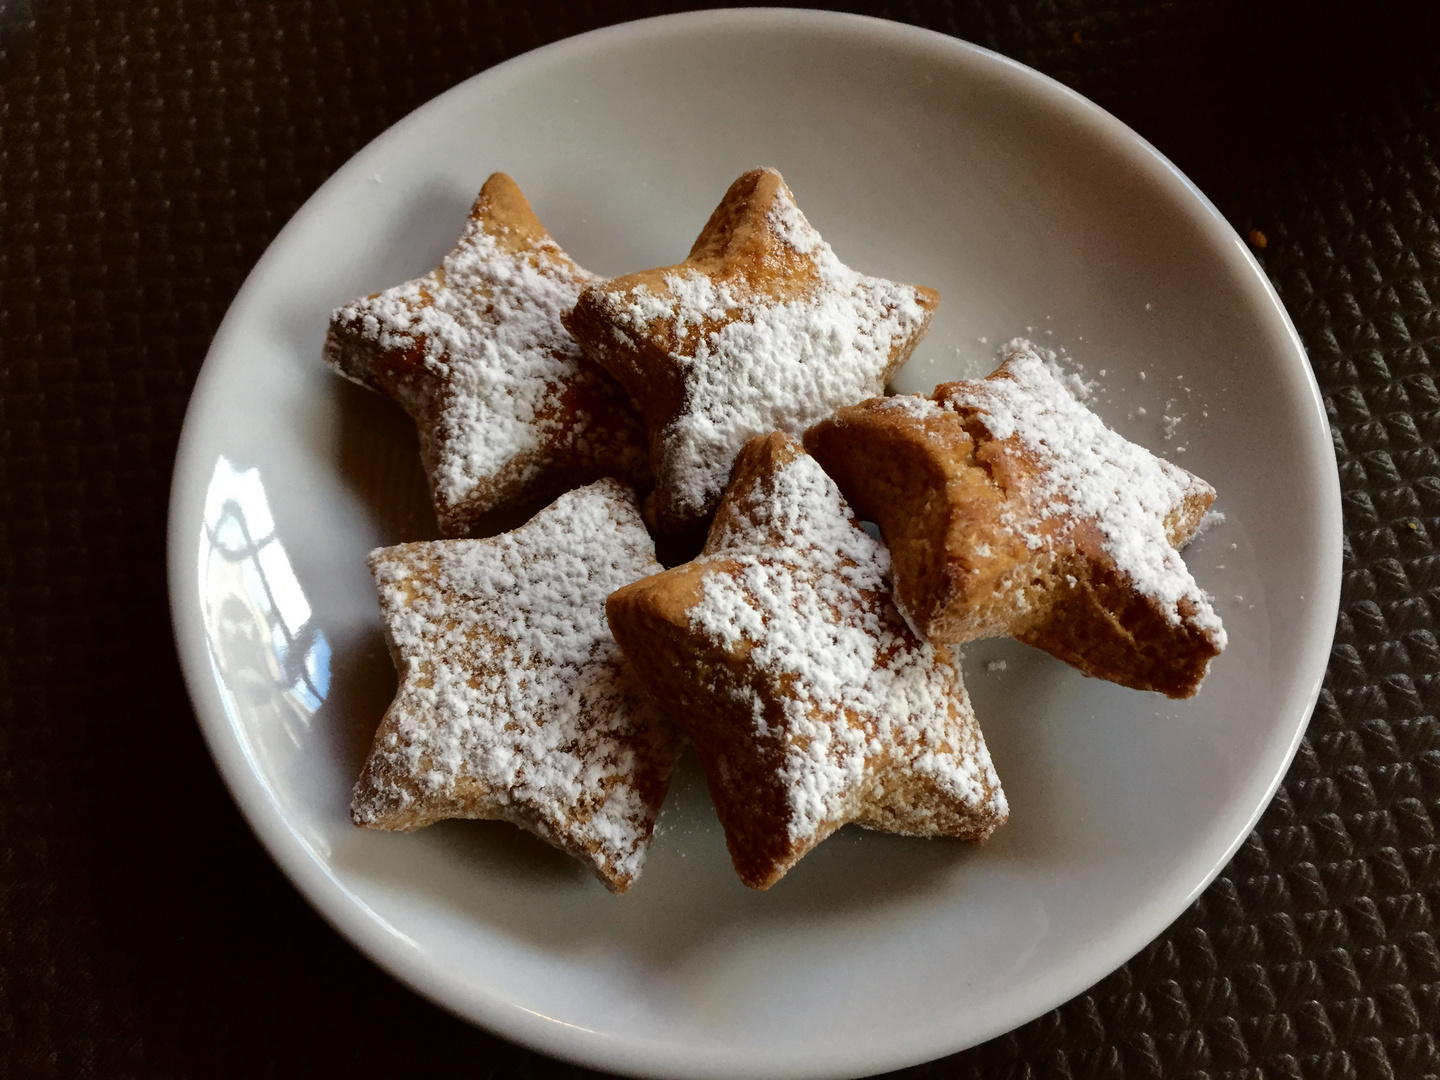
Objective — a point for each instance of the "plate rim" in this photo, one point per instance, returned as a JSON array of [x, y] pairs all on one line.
[[367, 931]]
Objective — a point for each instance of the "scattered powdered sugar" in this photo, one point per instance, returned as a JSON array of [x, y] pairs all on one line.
[[509, 673], [1087, 471], [753, 364], [489, 324], [1080, 387], [817, 614], [1211, 519], [1068, 374], [995, 666]]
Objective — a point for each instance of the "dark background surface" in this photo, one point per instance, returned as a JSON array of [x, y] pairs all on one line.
[[150, 151]]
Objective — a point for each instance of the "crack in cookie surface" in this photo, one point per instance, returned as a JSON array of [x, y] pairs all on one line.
[[1010, 509]]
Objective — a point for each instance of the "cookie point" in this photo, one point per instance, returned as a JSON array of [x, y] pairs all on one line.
[[501, 205]]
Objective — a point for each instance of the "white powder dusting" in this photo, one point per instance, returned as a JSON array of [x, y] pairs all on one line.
[[1086, 471], [752, 364], [817, 613], [509, 675], [995, 666], [488, 325], [1070, 376], [1211, 519], [913, 405]]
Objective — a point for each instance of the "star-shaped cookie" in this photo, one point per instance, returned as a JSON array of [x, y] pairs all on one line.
[[809, 700], [508, 408], [1010, 509], [760, 329], [514, 702]]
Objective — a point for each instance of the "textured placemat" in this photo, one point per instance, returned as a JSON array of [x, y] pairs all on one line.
[[149, 152]]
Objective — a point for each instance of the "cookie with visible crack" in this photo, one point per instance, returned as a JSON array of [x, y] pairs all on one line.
[[1010, 509]]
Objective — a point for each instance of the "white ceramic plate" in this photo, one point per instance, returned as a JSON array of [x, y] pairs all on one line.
[[919, 158]]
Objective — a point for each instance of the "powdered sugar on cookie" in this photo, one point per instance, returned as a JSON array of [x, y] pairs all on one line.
[[508, 408], [913, 405], [753, 363], [1087, 472], [513, 693], [810, 598], [488, 323]]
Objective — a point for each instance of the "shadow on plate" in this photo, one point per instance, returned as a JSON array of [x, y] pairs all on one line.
[[688, 898]]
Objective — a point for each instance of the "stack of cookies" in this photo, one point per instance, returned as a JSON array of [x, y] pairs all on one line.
[[550, 675]]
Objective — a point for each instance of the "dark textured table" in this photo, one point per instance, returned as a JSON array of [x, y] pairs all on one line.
[[149, 152]]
